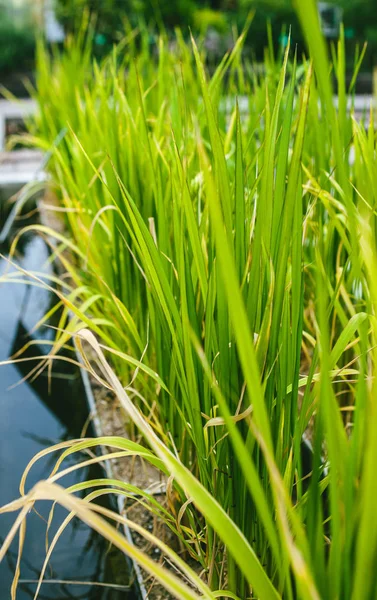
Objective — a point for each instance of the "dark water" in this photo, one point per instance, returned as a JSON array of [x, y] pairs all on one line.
[[32, 419]]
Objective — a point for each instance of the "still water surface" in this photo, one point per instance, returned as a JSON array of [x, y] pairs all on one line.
[[32, 419]]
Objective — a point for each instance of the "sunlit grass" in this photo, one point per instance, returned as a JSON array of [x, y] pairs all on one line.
[[230, 259]]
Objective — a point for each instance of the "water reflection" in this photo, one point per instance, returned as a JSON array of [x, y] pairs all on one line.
[[32, 418]]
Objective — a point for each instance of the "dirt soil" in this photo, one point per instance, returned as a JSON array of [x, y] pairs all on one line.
[[143, 475]]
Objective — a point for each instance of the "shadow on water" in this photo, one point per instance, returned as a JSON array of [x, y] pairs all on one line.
[[32, 417]]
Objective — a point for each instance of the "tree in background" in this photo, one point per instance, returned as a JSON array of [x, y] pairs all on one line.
[[109, 13], [360, 19], [197, 14], [17, 43]]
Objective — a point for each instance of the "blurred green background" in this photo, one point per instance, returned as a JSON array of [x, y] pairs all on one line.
[[216, 20]]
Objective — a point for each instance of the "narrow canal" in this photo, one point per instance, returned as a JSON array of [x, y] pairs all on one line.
[[32, 417]]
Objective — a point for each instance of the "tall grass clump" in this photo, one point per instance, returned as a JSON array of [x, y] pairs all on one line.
[[222, 256]]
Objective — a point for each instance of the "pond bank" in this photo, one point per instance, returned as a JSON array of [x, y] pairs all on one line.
[[34, 417]]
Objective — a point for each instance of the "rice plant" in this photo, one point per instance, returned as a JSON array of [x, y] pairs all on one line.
[[221, 236]]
